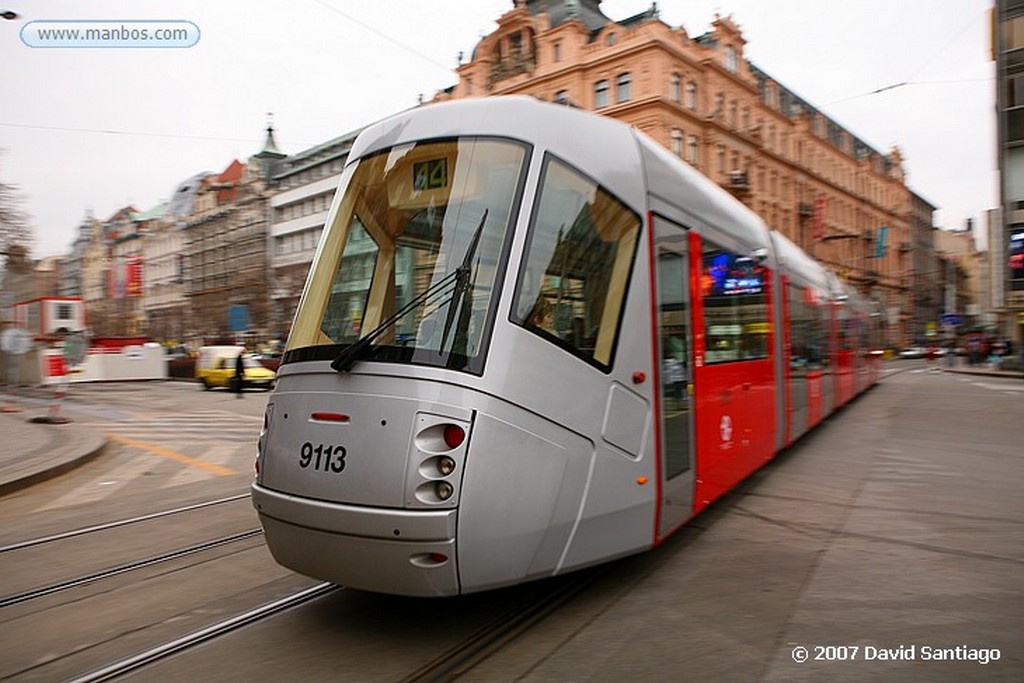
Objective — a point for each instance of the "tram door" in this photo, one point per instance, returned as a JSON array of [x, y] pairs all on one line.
[[672, 274]]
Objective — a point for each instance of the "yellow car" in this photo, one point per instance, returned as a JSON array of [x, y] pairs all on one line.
[[215, 367]]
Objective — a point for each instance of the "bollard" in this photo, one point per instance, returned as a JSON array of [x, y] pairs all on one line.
[[10, 402], [53, 416]]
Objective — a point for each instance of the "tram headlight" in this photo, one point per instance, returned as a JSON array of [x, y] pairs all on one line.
[[445, 465], [443, 490]]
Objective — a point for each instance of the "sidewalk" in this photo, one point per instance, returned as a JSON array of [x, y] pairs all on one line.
[[985, 370], [32, 452]]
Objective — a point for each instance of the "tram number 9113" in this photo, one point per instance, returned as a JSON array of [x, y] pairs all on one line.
[[323, 457]]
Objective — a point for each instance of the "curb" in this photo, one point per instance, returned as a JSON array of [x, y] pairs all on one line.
[[40, 464]]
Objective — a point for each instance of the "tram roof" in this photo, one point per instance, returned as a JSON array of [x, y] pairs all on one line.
[[607, 150], [600, 147], [795, 261]]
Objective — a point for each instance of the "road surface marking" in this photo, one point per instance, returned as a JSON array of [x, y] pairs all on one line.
[[172, 455]]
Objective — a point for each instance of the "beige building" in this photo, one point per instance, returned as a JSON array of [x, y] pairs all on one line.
[[166, 307], [818, 183], [962, 277]]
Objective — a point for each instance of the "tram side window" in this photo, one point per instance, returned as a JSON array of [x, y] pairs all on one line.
[[807, 333], [845, 331], [573, 280], [733, 288]]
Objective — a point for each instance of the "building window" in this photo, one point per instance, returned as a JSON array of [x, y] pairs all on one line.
[[622, 88], [692, 150], [676, 88], [601, 94], [515, 42], [677, 142], [691, 95], [556, 51], [611, 39], [731, 59], [562, 97], [1015, 90]]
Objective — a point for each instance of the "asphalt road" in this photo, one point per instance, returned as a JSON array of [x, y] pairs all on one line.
[[888, 545]]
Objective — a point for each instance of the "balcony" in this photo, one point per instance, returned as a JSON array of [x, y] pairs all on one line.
[[513, 65], [738, 184]]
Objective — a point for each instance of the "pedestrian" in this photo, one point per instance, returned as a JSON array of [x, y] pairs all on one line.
[[239, 378]]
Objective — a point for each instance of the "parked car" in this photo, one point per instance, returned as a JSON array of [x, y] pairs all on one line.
[[180, 363], [913, 352], [215, 367], [271, 361]]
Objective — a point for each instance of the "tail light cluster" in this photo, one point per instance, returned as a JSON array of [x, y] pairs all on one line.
[[437, 460]]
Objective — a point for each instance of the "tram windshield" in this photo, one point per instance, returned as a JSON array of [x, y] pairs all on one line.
[[411, 263]]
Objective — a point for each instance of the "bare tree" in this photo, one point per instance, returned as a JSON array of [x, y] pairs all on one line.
[[15, 229]]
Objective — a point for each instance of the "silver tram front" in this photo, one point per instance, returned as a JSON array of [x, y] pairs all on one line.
[[390, 460]]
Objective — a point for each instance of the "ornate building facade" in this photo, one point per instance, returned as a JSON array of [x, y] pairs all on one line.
[[166, 308], [843, 201]]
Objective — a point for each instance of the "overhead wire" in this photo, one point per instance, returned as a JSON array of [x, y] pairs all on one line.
[[383, 35], [910, 79], [107, 131]]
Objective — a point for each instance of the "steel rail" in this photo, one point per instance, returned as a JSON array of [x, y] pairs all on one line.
[[124, 568], [198, 637], [505, 629], [123, 522]]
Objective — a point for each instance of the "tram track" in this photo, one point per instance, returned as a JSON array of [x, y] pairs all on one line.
[[106, 526], [504, 629], [124, 568], [222, 628]]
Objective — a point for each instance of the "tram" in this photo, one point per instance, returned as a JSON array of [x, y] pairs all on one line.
[[531, 341]]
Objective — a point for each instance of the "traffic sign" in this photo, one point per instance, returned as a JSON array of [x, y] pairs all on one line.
[[15, 342], [951, 319], [75, 348]]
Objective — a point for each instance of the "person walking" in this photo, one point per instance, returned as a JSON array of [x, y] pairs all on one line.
[[239, 378]]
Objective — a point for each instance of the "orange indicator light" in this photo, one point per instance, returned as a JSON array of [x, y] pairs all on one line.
[[641, 480]]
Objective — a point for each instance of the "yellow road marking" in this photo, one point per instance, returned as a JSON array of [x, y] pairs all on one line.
[[172, 455]]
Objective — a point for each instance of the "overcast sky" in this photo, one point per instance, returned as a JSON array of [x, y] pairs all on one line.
[[99, 129]]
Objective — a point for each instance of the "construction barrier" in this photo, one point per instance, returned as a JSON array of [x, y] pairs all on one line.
[[133, 362]]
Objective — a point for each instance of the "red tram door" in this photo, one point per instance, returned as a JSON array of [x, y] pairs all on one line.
[[734, 366], [673, 348]]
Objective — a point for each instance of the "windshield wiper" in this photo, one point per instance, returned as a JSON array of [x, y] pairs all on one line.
[[458, 277], [356, 350], [462, 279]]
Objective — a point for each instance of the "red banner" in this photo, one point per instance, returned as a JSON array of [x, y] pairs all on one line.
[[133, 277]]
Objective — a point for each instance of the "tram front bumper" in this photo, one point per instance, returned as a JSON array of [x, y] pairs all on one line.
[[401, 552]]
